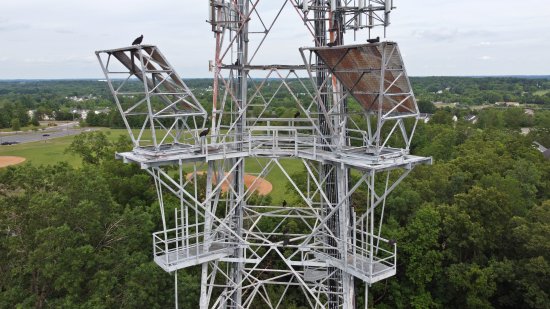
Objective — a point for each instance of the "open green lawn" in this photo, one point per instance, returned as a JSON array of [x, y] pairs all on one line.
[[26, 128], [276, 176], [50, 151], [53, 151], [541, 92], [43, 152]]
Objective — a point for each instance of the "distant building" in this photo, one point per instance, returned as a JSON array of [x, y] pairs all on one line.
[[105, 110], [471, 118], [545, 151], [81, 99], [508, 104], [540, 147], [32, 113], [455, 118], [439, 104], [425, 117], [80, 113], [530, 112]]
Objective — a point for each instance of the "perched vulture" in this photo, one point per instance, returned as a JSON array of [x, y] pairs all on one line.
[[376, 40], [204, 132], [138, 40]]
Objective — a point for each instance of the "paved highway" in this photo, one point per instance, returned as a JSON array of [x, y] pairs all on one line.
[[48, 133]]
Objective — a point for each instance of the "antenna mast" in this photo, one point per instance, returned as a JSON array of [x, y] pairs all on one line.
[[354, 114]]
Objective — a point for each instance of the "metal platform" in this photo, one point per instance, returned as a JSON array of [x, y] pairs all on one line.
[[191, 256], [362, 268], [275, 145]]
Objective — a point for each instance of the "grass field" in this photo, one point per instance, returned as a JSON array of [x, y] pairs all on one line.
[[53, 151], [43, 152], [49, 151], [276, 176], [27, 128], [541, 92]]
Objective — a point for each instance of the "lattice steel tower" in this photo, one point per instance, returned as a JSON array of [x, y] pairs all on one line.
[[354, 118]]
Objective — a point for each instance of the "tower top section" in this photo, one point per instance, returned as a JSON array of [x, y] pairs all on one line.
[[356, 15]]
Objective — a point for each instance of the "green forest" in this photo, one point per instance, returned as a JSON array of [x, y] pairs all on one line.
[[59, 98], [472, 230]]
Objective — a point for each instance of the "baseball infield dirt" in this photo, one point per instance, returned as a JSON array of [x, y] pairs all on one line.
[[10, 160], [260, 186]]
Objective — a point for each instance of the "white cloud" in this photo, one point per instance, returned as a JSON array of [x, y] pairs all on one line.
[[438, 37], [7, 25], [41, 60]]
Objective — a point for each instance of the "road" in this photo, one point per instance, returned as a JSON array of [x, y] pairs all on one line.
[[61, 130]]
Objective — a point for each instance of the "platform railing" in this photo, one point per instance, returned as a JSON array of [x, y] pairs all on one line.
[[367, 254], [274, 140], [185, 243]]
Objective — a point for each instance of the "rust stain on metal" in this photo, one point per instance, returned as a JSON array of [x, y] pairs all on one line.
[[358, 68]]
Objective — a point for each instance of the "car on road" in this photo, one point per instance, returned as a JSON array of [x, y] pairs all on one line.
[[9, 143], [45, 135]]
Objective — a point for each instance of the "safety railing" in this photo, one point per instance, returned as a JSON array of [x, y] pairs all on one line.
[[373, 257], [365, 254], [268, 138], [187, 243]]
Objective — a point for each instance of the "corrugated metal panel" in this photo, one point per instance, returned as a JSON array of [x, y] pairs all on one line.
[[358, 68]]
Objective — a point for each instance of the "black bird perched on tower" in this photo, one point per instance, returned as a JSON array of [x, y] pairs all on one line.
[[297, 114], [374, 40], [284, 203], [138, 40], [204, 132], [285, 242]]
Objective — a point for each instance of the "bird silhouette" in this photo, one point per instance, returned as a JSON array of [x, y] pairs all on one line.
[[330, 44], [237, 62], [204, 132], [376, 40], [285, 232], [138, 40], [297, 114], [284, 203], [285, 242]]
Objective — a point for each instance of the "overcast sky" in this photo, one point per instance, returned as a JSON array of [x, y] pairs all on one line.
[[57, 38]]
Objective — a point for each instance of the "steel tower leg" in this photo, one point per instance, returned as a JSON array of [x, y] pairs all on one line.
[[238, 202], [340, 284], [204, 299]]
